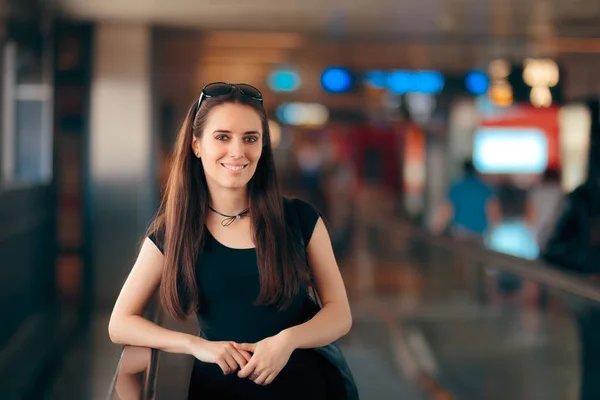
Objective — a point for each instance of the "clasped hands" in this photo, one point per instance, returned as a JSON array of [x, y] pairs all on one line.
[[260, 362]]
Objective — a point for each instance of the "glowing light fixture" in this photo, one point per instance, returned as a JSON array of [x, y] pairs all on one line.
[[303, 114], [375, 79], [477, 82], [336, 80], [284, 80], [543, 72]]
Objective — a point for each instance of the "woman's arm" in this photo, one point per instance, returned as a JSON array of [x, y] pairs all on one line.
[[127, 325], [335, 319]]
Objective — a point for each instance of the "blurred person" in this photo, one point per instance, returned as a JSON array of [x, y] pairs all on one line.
[[515, 235], [226, 245], [311, 165], [511, 235], [342, 186], [470, 211], [471, 208], [574, 245], [544, 200]]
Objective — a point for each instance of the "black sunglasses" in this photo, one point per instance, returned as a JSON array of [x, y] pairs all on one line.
[[217, 89]]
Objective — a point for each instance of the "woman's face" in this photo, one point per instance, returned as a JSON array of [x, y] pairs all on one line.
[[230, 145]]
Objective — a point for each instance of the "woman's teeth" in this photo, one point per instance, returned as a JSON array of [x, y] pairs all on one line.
[[234, 167]]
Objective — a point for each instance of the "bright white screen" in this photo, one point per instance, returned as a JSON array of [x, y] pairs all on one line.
[[510, 151]]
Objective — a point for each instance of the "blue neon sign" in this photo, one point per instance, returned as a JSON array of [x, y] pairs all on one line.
[[428, 82]]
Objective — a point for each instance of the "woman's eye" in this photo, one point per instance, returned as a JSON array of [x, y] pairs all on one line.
[[252, 139], [221, 137]]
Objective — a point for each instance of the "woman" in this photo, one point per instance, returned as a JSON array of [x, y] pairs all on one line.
[[222, 246]]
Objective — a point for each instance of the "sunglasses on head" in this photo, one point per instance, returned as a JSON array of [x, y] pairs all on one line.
[[217, 89]]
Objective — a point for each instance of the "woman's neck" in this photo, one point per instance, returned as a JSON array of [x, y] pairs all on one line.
[[229, 201]]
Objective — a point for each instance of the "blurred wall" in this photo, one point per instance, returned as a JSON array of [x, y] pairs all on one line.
[[121, 174], [581, 74], [26, 254], [27, 224]]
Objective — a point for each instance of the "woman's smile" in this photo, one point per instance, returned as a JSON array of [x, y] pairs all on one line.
[[234, 168]]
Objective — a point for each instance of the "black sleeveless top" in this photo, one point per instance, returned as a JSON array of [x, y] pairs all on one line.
[[229, 283]]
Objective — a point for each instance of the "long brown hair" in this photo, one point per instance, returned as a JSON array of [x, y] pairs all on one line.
[[180, 220]]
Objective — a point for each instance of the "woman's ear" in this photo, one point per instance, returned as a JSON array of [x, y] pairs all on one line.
[[196, 147]]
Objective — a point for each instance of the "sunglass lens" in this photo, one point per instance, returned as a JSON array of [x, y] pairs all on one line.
[[217, 89], [249, 91]]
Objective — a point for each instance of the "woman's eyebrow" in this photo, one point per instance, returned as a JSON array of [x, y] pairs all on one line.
[[228, 131]]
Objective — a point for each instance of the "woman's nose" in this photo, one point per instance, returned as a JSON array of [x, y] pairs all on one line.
[[236, 149]]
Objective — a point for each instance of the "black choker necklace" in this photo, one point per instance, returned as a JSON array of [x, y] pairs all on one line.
[[229, 219]]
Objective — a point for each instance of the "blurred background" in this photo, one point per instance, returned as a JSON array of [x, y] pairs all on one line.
[[438, 137]]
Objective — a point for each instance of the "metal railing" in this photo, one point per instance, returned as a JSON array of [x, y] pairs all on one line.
[[138, 369], [477, 254], [136, 375], [515, 321]]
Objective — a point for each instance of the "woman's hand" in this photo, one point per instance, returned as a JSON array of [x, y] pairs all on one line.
[[269, 356], [225, 354]]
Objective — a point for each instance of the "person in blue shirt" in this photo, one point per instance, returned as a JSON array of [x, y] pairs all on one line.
[[471, 208]]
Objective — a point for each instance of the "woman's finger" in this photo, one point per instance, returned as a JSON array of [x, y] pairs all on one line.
[[254, 376], [270, 379], [224, 366], [259, 378], [245, 346], [246, 355], [233, 366], [239, 358], [247, 370]]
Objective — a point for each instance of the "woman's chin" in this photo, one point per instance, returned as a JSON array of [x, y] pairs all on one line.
[[233, 183], [230, 181]]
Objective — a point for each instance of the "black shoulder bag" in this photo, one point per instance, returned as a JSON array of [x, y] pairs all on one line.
[[332, 351]]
